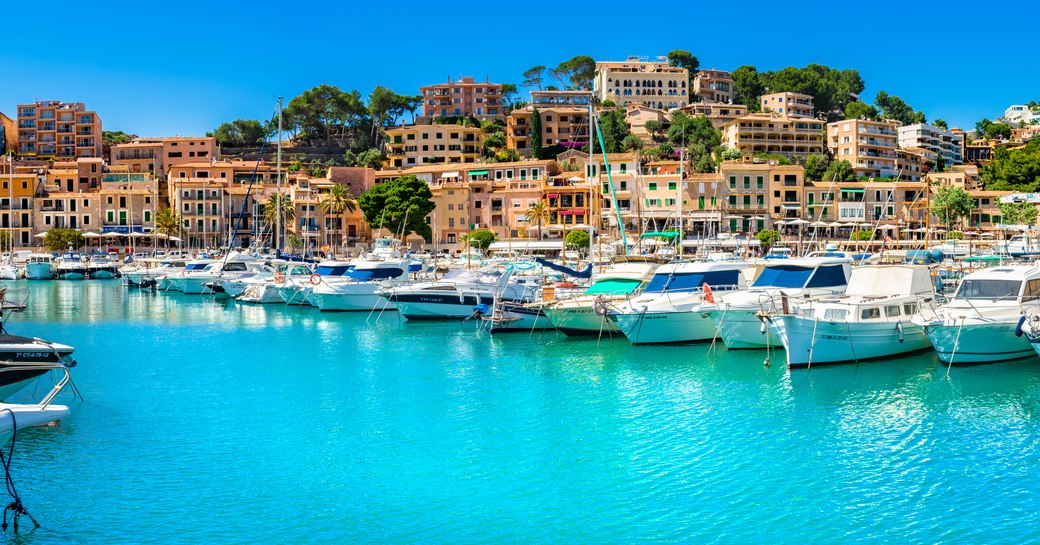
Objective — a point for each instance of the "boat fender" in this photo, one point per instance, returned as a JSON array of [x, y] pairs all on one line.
[[600, 306], [708, 295], [762, 328], [899, 330], [279, 278], [1018, 328], [184, 272], [315, 279]]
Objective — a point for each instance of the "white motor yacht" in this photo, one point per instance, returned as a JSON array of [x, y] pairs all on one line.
[[70, 266], [39, 267], [979, 323], [297, 291], [872, 319], [586, 314], [9, 271], [667, 311], [101, 266], [459, 294], [735, 315], [265, 289], [358, 288]]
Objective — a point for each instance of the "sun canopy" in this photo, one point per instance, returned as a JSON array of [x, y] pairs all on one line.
[[659, 234]]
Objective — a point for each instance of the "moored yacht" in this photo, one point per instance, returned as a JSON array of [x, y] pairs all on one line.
[[979, 323], [458, 294], [39, 267], [101, 266], [667, 310], [358, 287], [586, 314], [871, 319], [796, 280], [23, 359], [70, 266]]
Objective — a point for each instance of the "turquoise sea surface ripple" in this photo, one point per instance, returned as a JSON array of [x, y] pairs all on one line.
[[211, 422]]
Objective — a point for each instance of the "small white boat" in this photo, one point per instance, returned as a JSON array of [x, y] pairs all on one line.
[[668, 309], [458, 295], [979, 323], [70, 266], [101, 266], [39, 267], [9, 271], [871, 320], [586, 314], [794, 280], [266, 290]]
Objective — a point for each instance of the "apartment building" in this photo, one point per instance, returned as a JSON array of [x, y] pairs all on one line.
[[567, 126], [17, 199], [55, 129], [936, 142], [8, 135], [718, 113], [425, 144], [1021, 114], [774, 134], [911, 164], [463, 97], [635, 80], [210, 195], [902, 205], [66, 210], [786, 189], [127, 202], [747, 195], [157, 155], [83, 174], [637, 115], [570, 200], [963, 176], [713, 86], [870, 146], [789, 104]]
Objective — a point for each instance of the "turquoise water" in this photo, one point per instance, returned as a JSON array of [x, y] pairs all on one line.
[[208, 422]]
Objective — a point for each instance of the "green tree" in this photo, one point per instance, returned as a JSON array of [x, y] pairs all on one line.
[[767, 238], [654, 127], [385, 108], [1019, 213], [614, 129], [400, 205], [728, 154], [860, 110], [893, 107], [538, 213], [1013, 169], [815, 166], [940, 124], [578, 239], [999, 131], [748, 86], [699, 136], [533, 77], [336, 203], [839, 171], [480, 239], [294, 242], [509, 95], [632, 143], [61, 239], [862, 235], [536, 134], [684, 59], [324, 112], [371, 158], [951, 203], [576, 73], [167, 222], [494, 142], [240, 133], [279, 201]]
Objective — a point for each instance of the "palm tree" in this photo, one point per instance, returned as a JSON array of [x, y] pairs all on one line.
[[279, 201], [167, 222], [337, 202], [538, 212]]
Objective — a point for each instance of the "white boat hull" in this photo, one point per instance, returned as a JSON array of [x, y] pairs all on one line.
[[27, 416], [742, 329], [664, 327], [522, 319], [350, 297], [580, 320], [978, 341], [295, 295], [811, 342]]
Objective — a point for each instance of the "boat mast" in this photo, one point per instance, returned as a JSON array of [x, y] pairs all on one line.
[[10, 201], [679, 239], [278, 186]]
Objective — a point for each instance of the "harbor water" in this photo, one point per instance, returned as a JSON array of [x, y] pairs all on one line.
[[215, 422]]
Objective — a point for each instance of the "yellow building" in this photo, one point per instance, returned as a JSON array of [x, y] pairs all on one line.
[[773, 134], [869, 146], [713, 86], [425, 144], [17, 202], [55, 129], [157, 155], [789, 104], [564, 125], [717, 112]]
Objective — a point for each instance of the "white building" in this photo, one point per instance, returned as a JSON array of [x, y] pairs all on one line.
[[934, 141], [651, 83], [1020, 113]]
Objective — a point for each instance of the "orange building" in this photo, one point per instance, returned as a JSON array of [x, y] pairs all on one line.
[[55, 129]]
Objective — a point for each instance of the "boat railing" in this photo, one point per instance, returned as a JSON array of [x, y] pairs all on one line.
[[64, 381]]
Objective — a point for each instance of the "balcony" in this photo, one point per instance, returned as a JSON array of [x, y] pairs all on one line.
[[27, 124]]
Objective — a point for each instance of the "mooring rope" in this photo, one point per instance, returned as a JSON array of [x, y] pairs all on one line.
[[16, 509]]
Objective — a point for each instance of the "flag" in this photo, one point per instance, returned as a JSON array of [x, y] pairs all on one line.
[[325, 248]]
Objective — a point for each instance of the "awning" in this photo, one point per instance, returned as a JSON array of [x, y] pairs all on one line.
[[452, 174], [572, 212], [478, 173], [660, 234], [552, 195], [790, 207], [853, 190]]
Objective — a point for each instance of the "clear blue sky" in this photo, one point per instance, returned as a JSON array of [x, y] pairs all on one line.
[[159, 68]]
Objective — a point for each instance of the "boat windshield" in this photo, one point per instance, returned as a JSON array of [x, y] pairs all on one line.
[[332, 270], [988, 289], [692, 281], [794, 276], [197, 266]]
